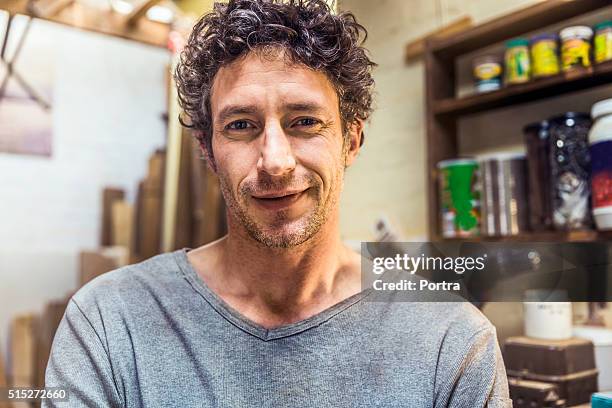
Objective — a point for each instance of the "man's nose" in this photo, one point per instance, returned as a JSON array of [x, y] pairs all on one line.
[[276, 155]]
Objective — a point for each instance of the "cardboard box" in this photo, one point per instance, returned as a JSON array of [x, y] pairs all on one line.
[[95, 263]]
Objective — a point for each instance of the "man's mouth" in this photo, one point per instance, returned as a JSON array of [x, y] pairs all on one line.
[[278, 200]]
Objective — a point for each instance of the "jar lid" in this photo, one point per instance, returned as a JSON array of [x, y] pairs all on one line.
[[543, 37], [601, 108], [517, 42], [501, 156], [576, 31], [569, 115], [484, 59], [603, 24], [456, 162], [536, 126]]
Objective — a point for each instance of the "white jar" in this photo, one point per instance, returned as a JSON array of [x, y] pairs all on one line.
[[548, 320], [600, 140]]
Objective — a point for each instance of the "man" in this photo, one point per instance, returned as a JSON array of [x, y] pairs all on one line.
[[271, 315]]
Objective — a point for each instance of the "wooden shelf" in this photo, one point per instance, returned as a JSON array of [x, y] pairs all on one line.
[[543, 236], [444, 109], [523, 21], [537, 89]]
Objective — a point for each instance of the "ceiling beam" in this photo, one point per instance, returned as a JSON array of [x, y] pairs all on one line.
[[80, 15], [49, 8]]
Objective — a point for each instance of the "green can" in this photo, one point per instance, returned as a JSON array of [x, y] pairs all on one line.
[[459, 198], [517, 61], [603, 42]]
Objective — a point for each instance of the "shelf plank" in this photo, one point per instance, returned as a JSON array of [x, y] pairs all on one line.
[[537, 89], [85, 17], [518, 23], [543, 236]]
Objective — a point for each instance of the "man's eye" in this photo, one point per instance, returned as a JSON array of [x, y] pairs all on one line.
[[306, 122], [239, 125]]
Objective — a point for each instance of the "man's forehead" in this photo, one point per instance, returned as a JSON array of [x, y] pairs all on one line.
[[256, 75]]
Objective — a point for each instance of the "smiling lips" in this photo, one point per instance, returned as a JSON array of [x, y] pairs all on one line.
[[278, 200]]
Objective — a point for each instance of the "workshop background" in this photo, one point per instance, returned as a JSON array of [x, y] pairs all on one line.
[[96, 172]]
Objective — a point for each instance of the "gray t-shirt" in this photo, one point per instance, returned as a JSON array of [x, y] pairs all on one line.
[[154, 335]]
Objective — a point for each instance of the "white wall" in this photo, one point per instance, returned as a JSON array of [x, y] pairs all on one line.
[[389, 176], [108, 95]]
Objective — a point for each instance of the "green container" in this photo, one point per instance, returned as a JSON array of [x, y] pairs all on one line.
[[459, 198], [601, 400], [517, 61]]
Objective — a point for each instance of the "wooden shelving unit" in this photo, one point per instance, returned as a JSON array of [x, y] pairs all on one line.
[[443, 108]]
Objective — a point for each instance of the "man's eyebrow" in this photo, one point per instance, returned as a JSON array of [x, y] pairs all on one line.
[[232, 110], [304, 107]]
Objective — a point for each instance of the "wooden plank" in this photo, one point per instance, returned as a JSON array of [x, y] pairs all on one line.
[[3, 380], [538, 89], [49, 8], [109, 196], [92, 265], [149, 207], [544, 236], [122, 225], [441, 133], [416, 48], [23, 351], [140, 10], [47, 326], [208, 205], [82, 16], [505, 27], [184, 222]]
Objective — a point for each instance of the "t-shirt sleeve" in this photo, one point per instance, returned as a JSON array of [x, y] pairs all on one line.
[[474, 375], [80, 364]]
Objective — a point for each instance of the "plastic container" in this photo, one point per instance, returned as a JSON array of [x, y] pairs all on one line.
[[544, 55], [602, 340], [487, 73], [517, 62], [600, 140], [570, 165], [576, 47], [459, 198], [602, 43], [537, 141], [601, 400]]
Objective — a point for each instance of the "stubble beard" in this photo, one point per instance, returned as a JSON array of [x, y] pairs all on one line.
[[282, 233]]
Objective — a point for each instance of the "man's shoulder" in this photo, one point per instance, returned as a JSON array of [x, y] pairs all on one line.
[[459, 319], [130, 284]]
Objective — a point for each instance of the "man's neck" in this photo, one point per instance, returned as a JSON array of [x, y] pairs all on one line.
[[276, 286]]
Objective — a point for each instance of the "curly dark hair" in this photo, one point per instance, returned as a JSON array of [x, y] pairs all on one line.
[[306, 30]]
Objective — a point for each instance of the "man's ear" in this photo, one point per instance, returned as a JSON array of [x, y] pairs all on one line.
[[354, 137]]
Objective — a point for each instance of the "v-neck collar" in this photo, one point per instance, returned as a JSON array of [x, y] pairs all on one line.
[[247, 325]]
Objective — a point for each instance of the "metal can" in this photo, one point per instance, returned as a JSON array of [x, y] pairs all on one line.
[[544, 55], [459, 198], [487, 73], [505, 209], [603, 42], [517, 61], [576, 47]]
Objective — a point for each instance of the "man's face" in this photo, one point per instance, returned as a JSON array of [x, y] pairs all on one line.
[[278, 147]]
